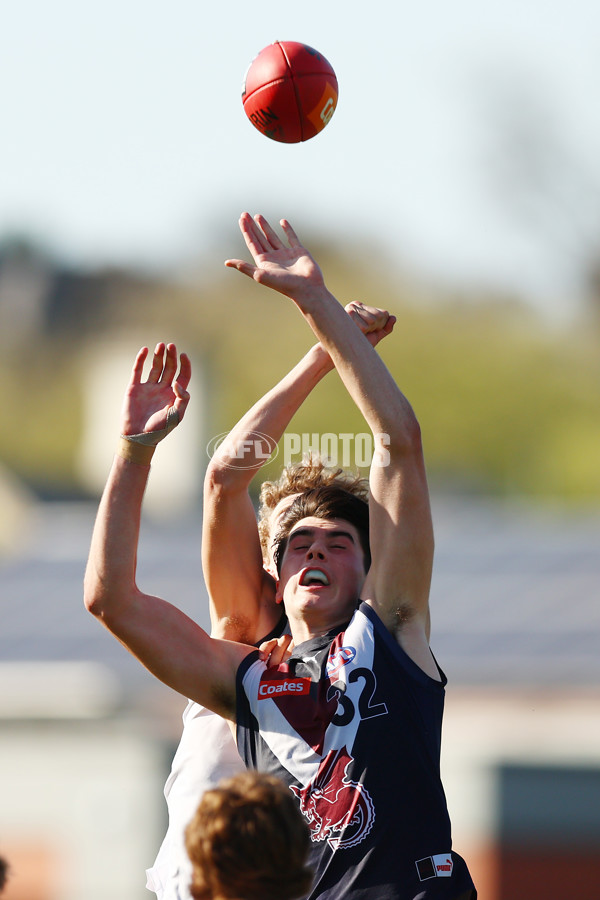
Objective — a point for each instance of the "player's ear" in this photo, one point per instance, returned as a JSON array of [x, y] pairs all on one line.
[[271, 576]]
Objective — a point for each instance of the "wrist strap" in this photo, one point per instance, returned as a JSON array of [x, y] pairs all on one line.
[[140, 454], [139, 448], [152, 438]]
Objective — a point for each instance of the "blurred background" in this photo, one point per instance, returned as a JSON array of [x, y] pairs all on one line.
[[457, 185]]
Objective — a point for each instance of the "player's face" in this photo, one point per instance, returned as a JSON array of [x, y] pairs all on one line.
[[322, 569]]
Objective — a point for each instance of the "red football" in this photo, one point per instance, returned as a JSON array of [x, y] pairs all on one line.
[[290, 92]]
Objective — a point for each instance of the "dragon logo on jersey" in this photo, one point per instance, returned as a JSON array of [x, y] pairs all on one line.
[[338, 810]]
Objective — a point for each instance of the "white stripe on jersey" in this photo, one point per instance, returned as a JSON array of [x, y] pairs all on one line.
[[284, 742]]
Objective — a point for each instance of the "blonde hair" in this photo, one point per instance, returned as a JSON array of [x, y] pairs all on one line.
[[248, 839], [298, 478]]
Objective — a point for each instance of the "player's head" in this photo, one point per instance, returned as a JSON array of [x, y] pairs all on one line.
[[326, 502], [295, 479], [248, 841]]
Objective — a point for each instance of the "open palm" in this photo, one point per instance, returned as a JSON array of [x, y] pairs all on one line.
[[147, 402], [291, 270]]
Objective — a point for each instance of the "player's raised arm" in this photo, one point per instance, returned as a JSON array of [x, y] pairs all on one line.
[[165, 640], [241, 591], [401, 530]]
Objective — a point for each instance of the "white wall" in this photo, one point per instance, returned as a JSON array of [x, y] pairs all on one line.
[[89, 792]]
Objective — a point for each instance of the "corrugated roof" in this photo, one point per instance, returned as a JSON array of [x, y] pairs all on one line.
[[516, 594]]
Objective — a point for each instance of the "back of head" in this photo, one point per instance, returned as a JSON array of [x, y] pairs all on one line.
[[248, 840], [312, 472]]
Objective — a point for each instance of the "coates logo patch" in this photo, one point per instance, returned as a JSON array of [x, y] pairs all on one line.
[[285, 687], [338, 659], [438, 866]]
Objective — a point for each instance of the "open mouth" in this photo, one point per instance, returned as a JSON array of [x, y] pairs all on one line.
[[313, 576]]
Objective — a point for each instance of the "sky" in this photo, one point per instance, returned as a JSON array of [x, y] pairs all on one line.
[[465, 143]]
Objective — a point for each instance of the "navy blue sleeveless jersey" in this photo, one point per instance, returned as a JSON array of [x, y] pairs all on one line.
[[353, 726]]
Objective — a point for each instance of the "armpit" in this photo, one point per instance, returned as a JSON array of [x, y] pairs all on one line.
[[223, 702], [403, 614], [236, 628]]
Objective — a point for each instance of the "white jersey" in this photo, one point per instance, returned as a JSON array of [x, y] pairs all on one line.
[[206, 754]]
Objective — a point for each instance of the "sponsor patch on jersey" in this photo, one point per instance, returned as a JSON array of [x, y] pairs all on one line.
[[338, 659], [438, 866], [283, 687]]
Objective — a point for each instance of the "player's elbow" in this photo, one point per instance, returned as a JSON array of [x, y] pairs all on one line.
[[98, 597], [404, 436], [220, 479], [93, 595]]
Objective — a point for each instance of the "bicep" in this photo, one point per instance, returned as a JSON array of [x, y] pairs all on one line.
[[178, 652]]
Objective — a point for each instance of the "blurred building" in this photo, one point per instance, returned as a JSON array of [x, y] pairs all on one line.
[[516, 626], [97, 320], [41, 297], [87, 736], [177, 471]]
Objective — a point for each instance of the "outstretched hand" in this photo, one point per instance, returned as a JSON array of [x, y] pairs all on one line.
[[290, 270], [147, 403]]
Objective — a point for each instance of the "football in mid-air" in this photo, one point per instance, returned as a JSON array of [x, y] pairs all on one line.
[[290, 92]]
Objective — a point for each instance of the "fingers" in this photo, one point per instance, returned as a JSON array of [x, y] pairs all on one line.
[[256, 240], [170, 365], [243, 267], [374, 323], [138, 366], [389, 325], [164, 367], [264, 650], [157, 363], [185, 372], [291, 235], [270, 235], [261, 238], [277, 650], [182, 397], [353, 310], [369, 318]]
